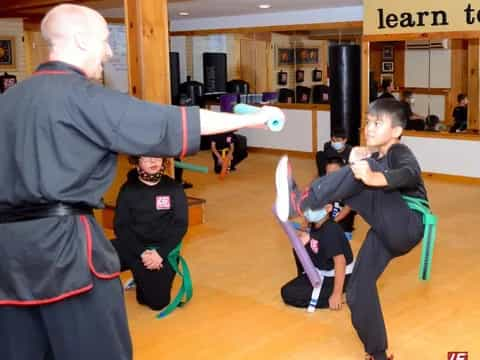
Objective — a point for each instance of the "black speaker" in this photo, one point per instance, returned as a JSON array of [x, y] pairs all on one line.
[[175, 77], [345, 90], [215, 72]]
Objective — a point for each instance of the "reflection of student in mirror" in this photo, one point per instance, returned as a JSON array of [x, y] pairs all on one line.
[[387, 89], [460, 114], [415, 121]]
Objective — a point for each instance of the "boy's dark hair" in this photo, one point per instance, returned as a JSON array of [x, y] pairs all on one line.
[[386, 83], [407, 94], [391, 108], [335, 160], [431, 121], [461, 97], [133, 159], [339, 133]]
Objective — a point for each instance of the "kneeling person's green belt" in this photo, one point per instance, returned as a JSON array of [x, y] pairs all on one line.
[[429, 234], [186, 289]]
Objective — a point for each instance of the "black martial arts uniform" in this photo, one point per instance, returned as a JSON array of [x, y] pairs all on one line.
[[60, 296], [150, 217], [460, 117], [331, 242], [329, 152], [395, 230], [224, 141], [347, 222]]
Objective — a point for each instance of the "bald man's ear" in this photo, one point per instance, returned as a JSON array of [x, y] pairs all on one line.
[[81, 41]]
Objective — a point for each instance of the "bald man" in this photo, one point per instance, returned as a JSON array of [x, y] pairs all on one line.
[[60, 296]]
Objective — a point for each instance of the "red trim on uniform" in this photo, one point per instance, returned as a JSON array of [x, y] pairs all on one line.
[[47, 301], [184, 132], [51, 72], [69, 294], [88, 234]]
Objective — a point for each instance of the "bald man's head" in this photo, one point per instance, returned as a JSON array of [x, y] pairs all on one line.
[[77, 35]]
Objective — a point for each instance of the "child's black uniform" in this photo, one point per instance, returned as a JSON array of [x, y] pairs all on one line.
[[347, 222], [331, 242], [395, 230], [150, 217], [329, 152], [460, 116], [224, 140]]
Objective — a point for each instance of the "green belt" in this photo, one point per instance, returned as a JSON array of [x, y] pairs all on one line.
[[186, 289], [429, 234]]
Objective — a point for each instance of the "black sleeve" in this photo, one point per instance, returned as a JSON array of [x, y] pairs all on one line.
[[177, 230], [122, 223], [346, 153], [333, 241], [124, 124], [404, 170], [456, 115]]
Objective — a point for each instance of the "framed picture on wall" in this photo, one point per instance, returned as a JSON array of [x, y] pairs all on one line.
[[285, 56], [282, 78], [387, 67], [300, 76], [7, 52], [387, 53], [306, 56], [317, 75]]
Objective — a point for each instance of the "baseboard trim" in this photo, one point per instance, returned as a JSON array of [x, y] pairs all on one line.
[[452, 178], [302, 154]]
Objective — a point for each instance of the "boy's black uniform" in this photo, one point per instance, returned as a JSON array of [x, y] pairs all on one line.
[[347, 222], [59, 139], [331, 242], [460, 116], [395, 230], [223, 141], [149, 217], [329, 152]]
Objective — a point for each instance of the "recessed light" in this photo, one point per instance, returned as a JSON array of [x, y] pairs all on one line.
[[265, 6], [183, 13]]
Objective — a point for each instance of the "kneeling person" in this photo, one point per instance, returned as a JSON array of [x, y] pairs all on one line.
[[151, 219], [331, 254]]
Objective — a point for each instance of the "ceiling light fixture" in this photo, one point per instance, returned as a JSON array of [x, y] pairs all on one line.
[[183, 13], [265, 6]]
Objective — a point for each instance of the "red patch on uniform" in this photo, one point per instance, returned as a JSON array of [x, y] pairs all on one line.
[[163, 202]]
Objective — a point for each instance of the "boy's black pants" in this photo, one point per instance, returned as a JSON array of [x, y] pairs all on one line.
[[298, 291], [395, 230], [153, 286], [90, 326]]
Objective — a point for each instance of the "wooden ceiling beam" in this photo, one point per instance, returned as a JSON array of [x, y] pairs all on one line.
[[17, 8]]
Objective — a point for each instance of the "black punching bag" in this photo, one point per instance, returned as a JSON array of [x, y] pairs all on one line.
[[345, 90]]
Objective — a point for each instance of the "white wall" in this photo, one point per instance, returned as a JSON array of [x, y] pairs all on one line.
[[323, 128], [350, 13], [446, 156], [14, 27], [296, 135], [417, 68], [430, 104], [202, 44], [178, 44]]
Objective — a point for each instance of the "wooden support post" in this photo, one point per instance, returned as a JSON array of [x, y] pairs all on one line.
[[148, 51], [473, 84], [365, 93]]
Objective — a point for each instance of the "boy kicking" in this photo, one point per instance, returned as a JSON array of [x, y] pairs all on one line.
[[373, 185]]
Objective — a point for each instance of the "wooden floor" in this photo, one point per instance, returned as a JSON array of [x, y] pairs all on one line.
[[240, 258]]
